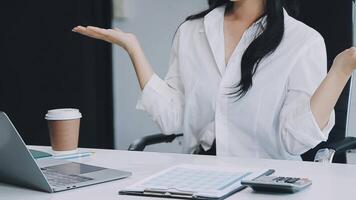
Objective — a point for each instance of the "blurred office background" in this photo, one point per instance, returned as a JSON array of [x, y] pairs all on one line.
[[154, 22], [43, 65]]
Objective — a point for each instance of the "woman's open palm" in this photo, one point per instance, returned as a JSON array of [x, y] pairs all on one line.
[[127, 41], [115, 36]]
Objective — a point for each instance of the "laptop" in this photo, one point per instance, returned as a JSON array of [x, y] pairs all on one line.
[[18, 167]]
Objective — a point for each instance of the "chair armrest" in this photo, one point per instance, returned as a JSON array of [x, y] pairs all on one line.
[[141, 143], [327, 154], [343, 145]]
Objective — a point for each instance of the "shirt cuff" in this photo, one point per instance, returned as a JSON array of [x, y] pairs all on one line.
[[207, 136], [155, 90]]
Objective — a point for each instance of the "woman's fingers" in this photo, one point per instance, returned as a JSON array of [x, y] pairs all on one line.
[[352, 58], [93, 32], [110, 35], [352, 51], [115, 36], [97, 30], [106, 34], [346, 60], [81, 30], [118, 30]]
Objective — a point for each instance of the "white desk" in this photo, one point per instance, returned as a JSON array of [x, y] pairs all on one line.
[[330, 181]]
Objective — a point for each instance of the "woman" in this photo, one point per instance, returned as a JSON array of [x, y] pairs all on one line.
[[243, 75]]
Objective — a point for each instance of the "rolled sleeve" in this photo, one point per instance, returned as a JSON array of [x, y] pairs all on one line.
[[163, 103], [163, 100], [300, 131], [207, 136], [155, 90]]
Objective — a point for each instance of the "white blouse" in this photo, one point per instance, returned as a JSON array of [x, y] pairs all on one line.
[[274, 119]]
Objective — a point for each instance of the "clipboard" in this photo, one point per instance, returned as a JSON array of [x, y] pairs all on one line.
[[193, 182]]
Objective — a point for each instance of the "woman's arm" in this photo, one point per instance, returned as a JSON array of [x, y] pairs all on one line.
[[325, 97], [162, 99], [128, 42]]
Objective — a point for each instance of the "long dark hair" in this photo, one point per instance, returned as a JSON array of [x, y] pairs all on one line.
[[263, 45]]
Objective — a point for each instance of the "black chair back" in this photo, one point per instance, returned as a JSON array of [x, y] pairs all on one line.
[[334, 22]]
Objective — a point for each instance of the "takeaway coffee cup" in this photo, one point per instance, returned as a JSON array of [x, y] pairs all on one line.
[[63, 125]]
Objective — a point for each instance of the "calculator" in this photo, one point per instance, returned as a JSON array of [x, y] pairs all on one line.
[[277, 184]]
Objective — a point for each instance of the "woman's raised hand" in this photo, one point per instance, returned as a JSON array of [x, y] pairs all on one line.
[[127, 41], [115, 36], [346, 60]]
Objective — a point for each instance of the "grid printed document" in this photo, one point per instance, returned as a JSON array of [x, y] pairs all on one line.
[[184, 179], [188, 181]]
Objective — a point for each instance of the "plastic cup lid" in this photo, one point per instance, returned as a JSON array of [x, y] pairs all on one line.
[[63, 114]]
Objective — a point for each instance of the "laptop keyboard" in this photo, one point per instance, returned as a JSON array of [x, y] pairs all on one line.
[[57, 179]]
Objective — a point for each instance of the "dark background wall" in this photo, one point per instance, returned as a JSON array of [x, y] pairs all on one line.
[[43, 65], [333, 19]]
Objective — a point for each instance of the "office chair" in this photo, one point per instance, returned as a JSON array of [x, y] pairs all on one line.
[[324, 152]]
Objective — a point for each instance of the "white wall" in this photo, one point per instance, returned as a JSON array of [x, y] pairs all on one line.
[[154, 22]]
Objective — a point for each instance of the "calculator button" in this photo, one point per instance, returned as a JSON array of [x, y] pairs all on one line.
[[287, 179], [291, 180], [278, 179]]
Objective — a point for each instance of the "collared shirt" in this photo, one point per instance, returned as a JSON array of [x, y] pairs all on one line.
[[274, 119]]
